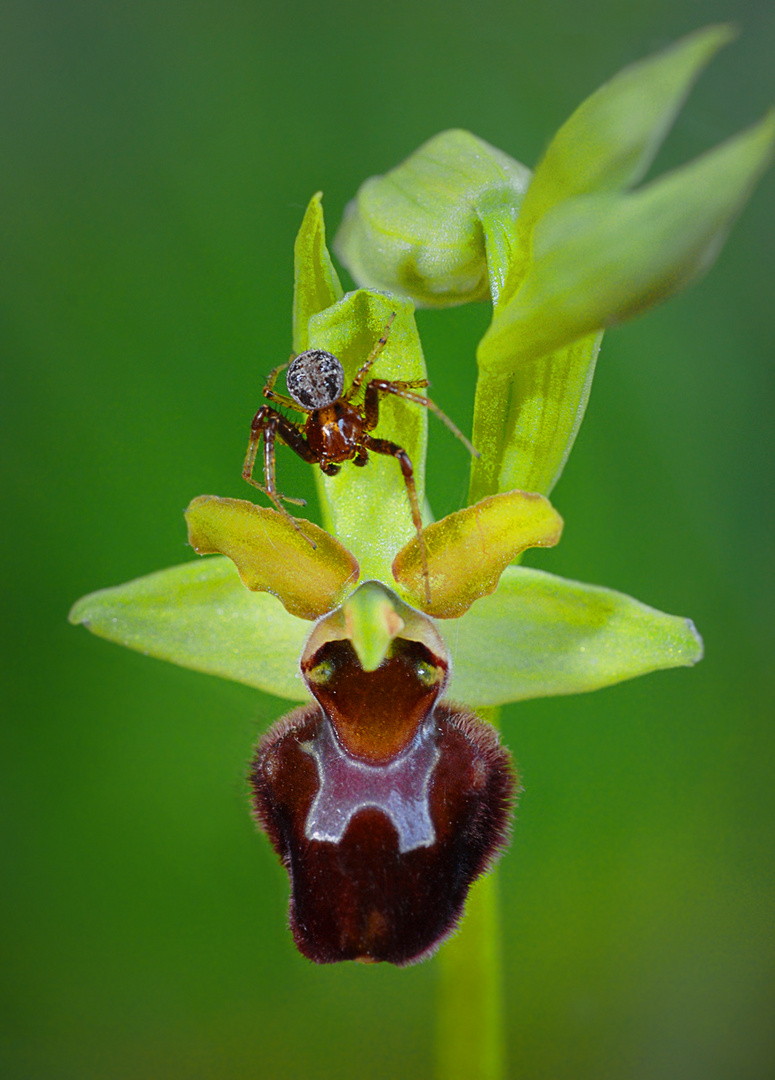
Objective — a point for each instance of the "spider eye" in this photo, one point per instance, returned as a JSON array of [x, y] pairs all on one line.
[[315, 379]]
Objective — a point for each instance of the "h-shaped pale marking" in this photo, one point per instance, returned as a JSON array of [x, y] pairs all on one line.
[[399, 789]]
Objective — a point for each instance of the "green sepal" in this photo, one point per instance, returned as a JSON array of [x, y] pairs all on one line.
[[426, 229], [539, 635], [600, 259], [608, 143], [597, 260], [200, 615], [527, 416], [468, 551], [306, 569], [367, 507], [316, 283]]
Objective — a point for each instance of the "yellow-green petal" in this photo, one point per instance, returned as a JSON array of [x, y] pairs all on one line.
[[469, 550], [316, 283], [200, 615], [272, 556], [539, 635]]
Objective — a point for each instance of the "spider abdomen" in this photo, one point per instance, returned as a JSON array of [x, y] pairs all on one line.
[[315, 379]]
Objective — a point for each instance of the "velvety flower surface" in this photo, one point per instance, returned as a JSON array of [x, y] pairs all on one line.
[[562, 254]]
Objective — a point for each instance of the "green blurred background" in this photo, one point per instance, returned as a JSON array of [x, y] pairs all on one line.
[[157, 158]]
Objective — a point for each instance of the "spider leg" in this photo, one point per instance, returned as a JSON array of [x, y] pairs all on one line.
[[269, 391], [377, 387], [384, 446], [364, 369], [268, 424]]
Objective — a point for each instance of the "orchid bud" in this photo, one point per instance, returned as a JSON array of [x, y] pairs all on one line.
[[439, 226]]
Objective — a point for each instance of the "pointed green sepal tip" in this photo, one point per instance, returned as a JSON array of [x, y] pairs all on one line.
[[468, 551], [428, 228], [316, 283], [602, 258], [308, 571], [199, 615], [608, 143], [539, 635]]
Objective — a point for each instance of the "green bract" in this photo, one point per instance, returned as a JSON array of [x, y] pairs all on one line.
[[561, 257]]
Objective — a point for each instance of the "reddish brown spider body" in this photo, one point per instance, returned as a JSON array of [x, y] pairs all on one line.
[[335, 434], [336, 430]]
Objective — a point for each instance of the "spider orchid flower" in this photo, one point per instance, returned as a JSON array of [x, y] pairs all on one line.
[[383, 799]]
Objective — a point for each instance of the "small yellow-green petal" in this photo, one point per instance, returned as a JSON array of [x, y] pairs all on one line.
[[316, 284], [600, 259], [425, 229], [539, 635], [200, 615], [469, 550], [271, 555]]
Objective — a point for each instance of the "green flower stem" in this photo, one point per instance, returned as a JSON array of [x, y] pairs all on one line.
[[469, 1016]]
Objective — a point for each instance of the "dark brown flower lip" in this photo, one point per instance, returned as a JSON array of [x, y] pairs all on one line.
[[366, 888]]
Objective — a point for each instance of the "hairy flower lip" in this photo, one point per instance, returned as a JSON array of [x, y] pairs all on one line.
[[355, 895]]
